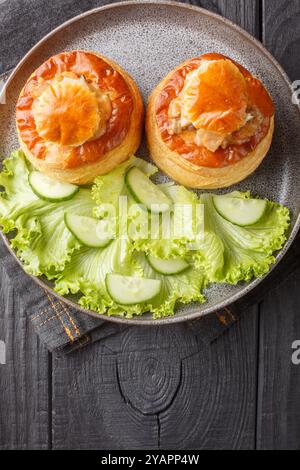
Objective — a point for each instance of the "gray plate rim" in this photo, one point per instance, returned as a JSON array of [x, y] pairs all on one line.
[[247, 288]]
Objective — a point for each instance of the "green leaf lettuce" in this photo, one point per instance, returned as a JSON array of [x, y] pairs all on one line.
[[224, 253], [230, 253], [42, 241]]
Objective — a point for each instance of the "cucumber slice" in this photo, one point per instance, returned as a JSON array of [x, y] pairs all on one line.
[[51, 190], [240, 211], [127, 290], [147, 193], [167, 266], [88, 231]]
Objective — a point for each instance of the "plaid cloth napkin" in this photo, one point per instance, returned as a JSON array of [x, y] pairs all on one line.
[[65, 329]]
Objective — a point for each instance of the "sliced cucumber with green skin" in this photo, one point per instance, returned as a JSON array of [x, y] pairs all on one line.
[[240, 211], [49, 189], [168, 266], [147, 193], [127, 290], [88, 231]]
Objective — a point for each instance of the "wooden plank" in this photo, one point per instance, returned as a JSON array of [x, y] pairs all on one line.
[[23, 378], [278, 425], [281, 33], [90, 409], [279, 378], [215, 405], [159, 388]]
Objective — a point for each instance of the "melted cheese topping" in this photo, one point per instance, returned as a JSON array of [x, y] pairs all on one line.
[[213, 103], [69, 111]]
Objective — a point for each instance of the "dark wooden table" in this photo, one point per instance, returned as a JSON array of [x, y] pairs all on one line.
[[155, 387]]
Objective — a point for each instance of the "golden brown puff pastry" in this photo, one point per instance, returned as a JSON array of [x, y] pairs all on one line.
[[209, 122], [79, 115]]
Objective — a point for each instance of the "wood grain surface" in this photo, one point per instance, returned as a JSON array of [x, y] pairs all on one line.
[[157, 387], [279, 380], [24, 404], [278, 414]]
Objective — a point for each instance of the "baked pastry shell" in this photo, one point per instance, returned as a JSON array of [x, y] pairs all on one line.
[[188, 174], [87, 172]]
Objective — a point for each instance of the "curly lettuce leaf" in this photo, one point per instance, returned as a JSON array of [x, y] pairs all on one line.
[[164, 236], [108, 188], [181, 288], [86, 272], [171, 235], [225, 252], [41, 240], [230, 253]]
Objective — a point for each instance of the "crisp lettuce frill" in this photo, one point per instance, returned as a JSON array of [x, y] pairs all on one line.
[[87, 269], [230, 253], [217, 250], [41, 239], [164, 236]]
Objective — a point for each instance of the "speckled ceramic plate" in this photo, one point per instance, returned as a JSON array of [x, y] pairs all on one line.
[[149, 39]]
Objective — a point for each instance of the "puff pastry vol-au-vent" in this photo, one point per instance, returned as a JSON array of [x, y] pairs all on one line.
[[78, 116], [209, 122]]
